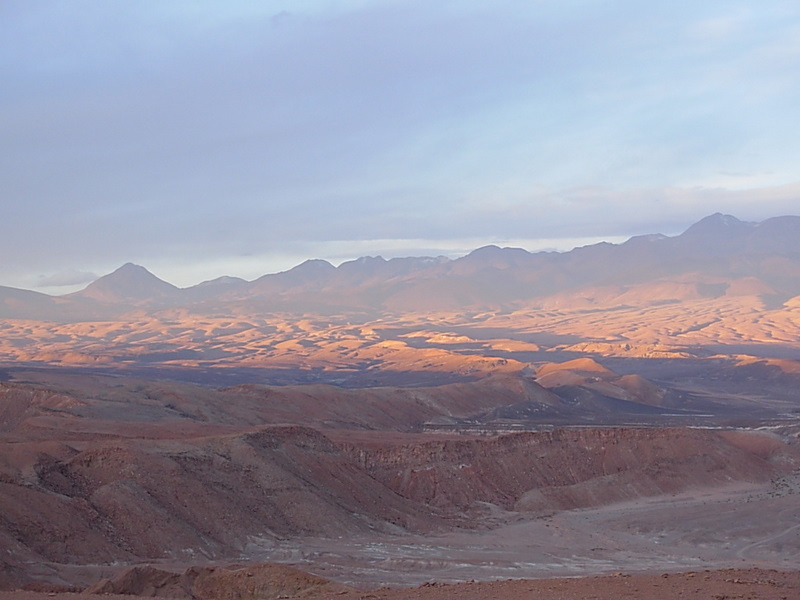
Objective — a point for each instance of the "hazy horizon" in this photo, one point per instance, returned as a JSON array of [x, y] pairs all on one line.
[[202, 139], [254, 269]]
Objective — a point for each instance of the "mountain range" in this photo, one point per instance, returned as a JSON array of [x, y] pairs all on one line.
[[331, 415], [717, 256]]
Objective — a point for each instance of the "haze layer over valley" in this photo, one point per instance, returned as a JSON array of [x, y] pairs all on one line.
[[627, 407]]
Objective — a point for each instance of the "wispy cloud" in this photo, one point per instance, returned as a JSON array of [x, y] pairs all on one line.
[[66, 279], [183, 132]]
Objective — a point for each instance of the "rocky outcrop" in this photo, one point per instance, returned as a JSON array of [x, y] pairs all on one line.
[[207, 497], [569, 468]]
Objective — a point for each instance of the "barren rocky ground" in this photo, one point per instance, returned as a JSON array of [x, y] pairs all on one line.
[[100, 473], [728, 584], [408, 487]]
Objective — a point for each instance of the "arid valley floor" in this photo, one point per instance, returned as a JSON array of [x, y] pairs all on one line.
[[615, 422]]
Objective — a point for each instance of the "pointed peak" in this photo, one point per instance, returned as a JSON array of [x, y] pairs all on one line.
[[130, 267], [128, 282]]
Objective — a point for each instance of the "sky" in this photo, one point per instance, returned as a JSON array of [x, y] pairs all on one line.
[[201, 138]]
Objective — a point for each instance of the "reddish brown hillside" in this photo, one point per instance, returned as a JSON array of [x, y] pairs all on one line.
[[586, 377], [216, 497], [135, 408], [184, 499], [566, 469]]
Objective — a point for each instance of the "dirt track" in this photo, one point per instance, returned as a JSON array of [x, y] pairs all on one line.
[[718, 585], [729, 584], [741, 526]]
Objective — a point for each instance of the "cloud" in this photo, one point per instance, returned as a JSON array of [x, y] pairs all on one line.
[[185, 132], [66, 278]]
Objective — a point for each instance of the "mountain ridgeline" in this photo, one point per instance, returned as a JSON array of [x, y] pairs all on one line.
[[718, 256]]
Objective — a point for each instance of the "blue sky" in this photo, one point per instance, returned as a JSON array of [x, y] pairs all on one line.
[[206, 138]]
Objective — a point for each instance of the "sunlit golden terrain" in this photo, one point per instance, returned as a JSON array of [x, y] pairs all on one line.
[[424, 342]]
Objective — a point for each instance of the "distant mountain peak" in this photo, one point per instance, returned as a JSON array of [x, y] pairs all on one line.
[[489, 248], [131, 268], [128, 282], [717, 224], [313, 262], [493, 251], [316, 264], [719, 218], [225, 280], [370, 259], [311, 271]]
